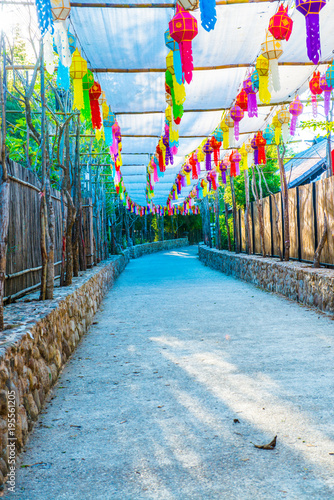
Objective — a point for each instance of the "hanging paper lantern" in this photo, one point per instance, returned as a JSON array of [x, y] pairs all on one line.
[[255, 80], [237, 115], [248, 87], [63, 72], [207, 150], [315, 90], [295, 108], [216, 148], [94, 94], [272, 50], [277, 127], [327, 89], [218, 134], [169, 62], [256, 150], [213, 179], [87, 83], [244, 157], [208, 14], [262, 67], [187, 171], [284, 118], [242, 100], [230, 123], [268, 134], [311, 9], [188, 4], [223, 169], [261, 143], [44, 15], [78, 70], [235, 159], [280, 24], [183, 29], [330, 75], [60, 11], [225, 129], [107, 125]]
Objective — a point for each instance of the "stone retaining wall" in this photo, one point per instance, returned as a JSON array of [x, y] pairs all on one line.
[[157, 246], [295, 280], [41, 336]]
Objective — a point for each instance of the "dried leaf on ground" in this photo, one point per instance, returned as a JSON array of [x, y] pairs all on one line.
[[269, 446]]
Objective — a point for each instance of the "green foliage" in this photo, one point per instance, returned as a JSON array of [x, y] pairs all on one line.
[[313, 124], [223, 229]]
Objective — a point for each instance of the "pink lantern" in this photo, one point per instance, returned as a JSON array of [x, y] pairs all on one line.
[[296, 109], [183, 28]]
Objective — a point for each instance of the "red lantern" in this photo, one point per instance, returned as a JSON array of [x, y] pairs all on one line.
[[316, 90], [242, 100], [280, 25], [94, 94], [216, 148], [237, 115], [261, 142], [235, 159], [193, 163], [162, 166], [183, 28]]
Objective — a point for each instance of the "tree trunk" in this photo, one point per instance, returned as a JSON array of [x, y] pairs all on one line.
[[71, 214], [317, 255], [44, 253], [285, 194], [4, 222], [217, 224], [227, 228], [259, 207], [234, 208], [50, 275], [247, 207], [206, 222]]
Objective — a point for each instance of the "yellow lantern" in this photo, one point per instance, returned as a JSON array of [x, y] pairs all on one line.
[[170, 62], [78, 70], [188, 4], [105, 110], [262, 66], [244, 157], [284, 118], [169, 99], [225, 129], [272, 50], [200, 155], [168, 114], [277, 127]]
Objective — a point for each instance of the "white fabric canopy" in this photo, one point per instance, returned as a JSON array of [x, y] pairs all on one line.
[[133, 38]]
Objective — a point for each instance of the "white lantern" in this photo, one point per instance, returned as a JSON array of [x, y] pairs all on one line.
[[188, 4]]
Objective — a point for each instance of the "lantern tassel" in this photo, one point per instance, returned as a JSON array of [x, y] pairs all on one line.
[[187, 60], [256, 156], [285, 132], [313, 37], [252, 105], [224, 176], [327, 101], [61, 41], [264, 93], [208, 14], [226, 139], [179, 92], [293, 125], [314, 105], [236, 130], [208, 161], [48, 52], [63, 76], [78, 98], [231, 136], [177, 63], [273, 65], [249, 159], [278, 131]]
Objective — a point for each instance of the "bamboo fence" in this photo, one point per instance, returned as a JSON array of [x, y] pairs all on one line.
[[307, 206]]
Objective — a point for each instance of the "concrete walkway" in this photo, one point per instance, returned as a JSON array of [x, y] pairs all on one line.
[[145, 409]]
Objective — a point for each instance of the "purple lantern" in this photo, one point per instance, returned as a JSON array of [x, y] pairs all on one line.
[[311, 9], [256, 150], [295, 108]]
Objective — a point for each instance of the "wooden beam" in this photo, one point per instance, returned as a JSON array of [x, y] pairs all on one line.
[[199, 68], [158, 5]]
